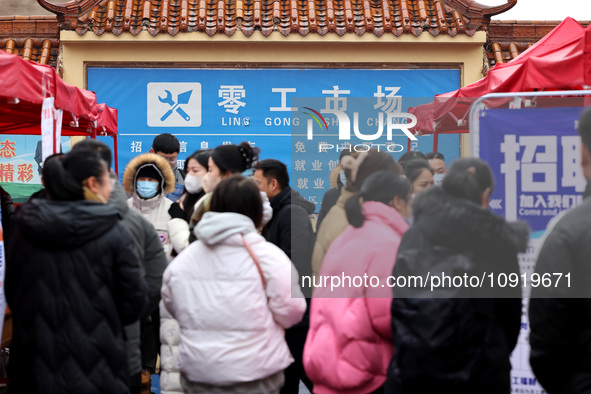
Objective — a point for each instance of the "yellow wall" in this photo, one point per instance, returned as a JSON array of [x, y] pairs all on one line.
[[197, 49]]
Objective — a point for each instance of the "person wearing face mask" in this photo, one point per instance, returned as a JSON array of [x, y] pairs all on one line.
[[149, 178], [225, 161], [196, 167], [437, 163], [168, 147], [350, 326], [72, 281]]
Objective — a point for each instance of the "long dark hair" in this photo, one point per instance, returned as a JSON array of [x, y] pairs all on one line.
[[468, 178], [382, 186], [189, 199], [64, 175]]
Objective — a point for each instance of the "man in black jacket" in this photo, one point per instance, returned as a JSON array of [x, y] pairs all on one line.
[[291, 230], [560, 316]]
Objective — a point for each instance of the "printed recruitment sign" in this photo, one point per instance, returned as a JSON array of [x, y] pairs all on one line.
[[208, 107], [534, 154], [535, 157]]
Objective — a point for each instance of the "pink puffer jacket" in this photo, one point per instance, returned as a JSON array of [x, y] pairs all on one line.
[[349, 345]]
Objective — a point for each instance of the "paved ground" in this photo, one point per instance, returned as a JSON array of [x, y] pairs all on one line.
[[156, 386]]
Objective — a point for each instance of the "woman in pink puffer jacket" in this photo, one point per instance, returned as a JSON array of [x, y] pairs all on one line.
[[349, 345]]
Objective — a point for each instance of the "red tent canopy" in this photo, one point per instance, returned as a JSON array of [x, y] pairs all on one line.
[[23, 87], [559, 61]]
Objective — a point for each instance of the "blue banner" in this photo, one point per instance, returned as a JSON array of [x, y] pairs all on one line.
[[534, 154], [208, 107], [535, 157]]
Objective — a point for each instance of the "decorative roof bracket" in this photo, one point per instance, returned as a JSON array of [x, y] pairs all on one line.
[[479, 14], [71, 9]]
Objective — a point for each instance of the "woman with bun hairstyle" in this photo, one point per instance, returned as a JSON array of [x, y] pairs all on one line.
[[243, 294], [72, 283], [225, 161], [456, 338], [349, 344]]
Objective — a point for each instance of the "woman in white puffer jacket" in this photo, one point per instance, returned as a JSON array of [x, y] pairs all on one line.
[[232, 316]]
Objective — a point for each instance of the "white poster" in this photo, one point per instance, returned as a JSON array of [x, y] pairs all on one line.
[[47, 123]]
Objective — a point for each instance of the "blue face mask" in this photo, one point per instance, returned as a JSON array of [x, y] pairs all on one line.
[[146, 189], [438, 178], [343, 178]]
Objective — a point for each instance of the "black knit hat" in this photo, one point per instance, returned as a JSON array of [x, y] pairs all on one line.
[[149, 171]]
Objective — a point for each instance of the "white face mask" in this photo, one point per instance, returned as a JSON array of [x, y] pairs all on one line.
[[193, 184], [438, 178]]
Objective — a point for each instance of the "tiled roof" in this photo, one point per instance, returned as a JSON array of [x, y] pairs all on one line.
[[508, 39], [34, 38], [322, 17]]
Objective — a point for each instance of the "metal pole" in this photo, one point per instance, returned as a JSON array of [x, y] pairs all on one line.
[[478, 105]]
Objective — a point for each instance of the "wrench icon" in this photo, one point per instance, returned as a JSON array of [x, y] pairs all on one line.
[[183, 98]]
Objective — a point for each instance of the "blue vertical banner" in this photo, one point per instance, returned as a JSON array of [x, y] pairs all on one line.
[[534, 154], [208, 107]]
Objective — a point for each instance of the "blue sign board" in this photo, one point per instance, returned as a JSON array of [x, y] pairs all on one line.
[[208, 107], [535, 157]]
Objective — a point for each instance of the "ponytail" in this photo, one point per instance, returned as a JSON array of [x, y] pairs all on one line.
[[468, 179], [382, 186], [353, 210]]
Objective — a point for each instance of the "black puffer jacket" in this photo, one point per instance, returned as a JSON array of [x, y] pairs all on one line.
[[149, 251], [560, 314], [448, 344], [290, 228], [72, 282]]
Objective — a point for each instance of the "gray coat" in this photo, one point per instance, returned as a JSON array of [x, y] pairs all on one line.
[[148, 249]]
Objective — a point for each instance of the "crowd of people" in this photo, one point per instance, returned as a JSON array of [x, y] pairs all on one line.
[[202, 268]]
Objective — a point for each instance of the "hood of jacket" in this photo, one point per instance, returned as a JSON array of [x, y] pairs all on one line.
[[217, 227], [289, 196], [56, 225], [452, 221], [149, 159]]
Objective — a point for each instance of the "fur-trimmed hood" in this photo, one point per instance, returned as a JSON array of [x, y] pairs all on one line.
[[449, 220], [159, 163]]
